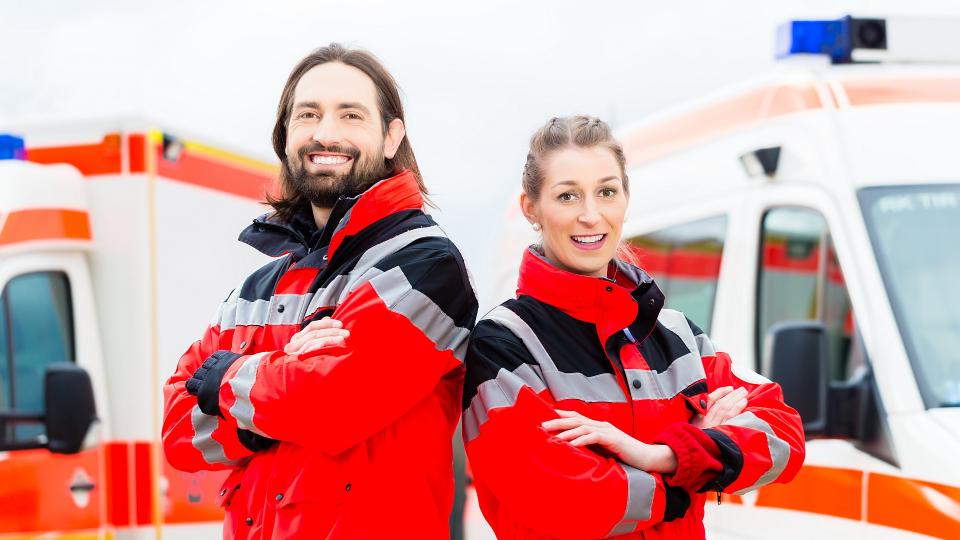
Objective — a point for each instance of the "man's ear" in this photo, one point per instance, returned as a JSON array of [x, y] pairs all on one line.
[[394, 136]]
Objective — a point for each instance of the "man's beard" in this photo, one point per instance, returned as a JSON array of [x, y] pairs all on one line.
[[324, 190]]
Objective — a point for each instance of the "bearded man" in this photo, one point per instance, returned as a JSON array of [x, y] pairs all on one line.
[[329, 382]]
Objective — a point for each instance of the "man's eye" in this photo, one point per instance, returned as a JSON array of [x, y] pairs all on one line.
[[353, 116], [307, 115]]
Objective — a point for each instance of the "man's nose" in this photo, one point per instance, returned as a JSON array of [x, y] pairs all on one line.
[[326, 132]]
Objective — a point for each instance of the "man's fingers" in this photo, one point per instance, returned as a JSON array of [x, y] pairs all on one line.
[[321, 343], [303, 336], [325, 322]]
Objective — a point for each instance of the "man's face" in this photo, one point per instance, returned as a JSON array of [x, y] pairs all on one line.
[[335, 137]]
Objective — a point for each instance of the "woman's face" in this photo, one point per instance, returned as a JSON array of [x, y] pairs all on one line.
[[580, 210]]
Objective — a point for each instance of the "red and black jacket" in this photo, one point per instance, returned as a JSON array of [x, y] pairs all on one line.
[[320, 442], [608, 349]]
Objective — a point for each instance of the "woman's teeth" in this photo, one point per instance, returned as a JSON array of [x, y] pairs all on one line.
[[588, 239], [328, 160]]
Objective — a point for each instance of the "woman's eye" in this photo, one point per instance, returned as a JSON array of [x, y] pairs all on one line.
[[608, 192], [568, 196]]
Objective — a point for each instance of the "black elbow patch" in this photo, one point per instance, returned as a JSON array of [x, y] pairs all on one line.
[[254, 441], [730, 456]]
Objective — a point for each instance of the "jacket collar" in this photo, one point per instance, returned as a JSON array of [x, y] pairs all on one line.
[[629, 301], [348, 217]]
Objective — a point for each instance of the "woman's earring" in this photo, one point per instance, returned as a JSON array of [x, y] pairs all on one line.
[[536, 227]]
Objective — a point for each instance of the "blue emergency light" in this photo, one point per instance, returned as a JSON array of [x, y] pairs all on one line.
[[837, 39], [11, 147]]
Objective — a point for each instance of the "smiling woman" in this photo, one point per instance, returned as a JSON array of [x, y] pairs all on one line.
[[616, 415]]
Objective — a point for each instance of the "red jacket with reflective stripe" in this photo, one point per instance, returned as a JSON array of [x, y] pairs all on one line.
[[363, 432], [608, 349]]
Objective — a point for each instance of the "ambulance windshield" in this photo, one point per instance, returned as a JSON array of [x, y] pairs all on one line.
[[915, 231]]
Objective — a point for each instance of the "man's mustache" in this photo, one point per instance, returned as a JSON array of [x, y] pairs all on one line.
[[316, 147]]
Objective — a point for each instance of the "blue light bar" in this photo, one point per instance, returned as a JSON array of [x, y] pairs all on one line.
[[11, 147], [833, 38]]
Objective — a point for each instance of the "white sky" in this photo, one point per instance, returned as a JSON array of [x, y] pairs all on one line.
[[478, 77]]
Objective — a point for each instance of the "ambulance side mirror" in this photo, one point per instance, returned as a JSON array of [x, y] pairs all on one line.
[[69, 411], [69, 407], [795, 357]]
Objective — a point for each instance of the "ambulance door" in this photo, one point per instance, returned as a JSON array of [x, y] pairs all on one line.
[[46, 317], [800, 280]]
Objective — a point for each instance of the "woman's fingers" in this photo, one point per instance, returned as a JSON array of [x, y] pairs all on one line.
[[731, 404], [714, 396], [590, 438], [569, 414], [561, 423], [573, 433]]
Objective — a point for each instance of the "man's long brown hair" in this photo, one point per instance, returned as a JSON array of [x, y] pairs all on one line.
[[289, 202]]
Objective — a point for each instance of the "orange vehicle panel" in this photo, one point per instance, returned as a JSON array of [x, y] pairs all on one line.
[[44, 224]]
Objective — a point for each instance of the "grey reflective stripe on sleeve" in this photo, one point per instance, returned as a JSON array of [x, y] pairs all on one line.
[[364, 270], [261, 312], [683, 372], [252, 313], [501, 391], [242, 383], [641, 489], [294, 308], [522, 330], [227, 311], [779, 449], [400, 297], [203, 428], [597, 388]]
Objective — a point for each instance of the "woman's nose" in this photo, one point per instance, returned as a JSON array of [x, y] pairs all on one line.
[[589, 215]]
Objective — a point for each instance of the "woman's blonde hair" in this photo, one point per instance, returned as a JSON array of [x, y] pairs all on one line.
[[579, 131]]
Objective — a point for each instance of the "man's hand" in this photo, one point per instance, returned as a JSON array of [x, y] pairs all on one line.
[[317, 335], [579, 430], [722, 404]]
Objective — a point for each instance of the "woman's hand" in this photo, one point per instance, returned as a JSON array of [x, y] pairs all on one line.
[[579, 430], [317, 335], [722, 404]]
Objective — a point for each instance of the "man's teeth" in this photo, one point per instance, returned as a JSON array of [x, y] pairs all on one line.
[[328, 160], [588, 239]]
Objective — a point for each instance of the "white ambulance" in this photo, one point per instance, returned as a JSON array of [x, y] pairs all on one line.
[[810, 223], [116, 246]]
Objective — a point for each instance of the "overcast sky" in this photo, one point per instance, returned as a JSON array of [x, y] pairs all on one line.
[[478, 77]]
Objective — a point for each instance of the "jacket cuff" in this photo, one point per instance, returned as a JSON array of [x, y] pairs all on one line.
[[730, 457], [698, 457], [208, 391]]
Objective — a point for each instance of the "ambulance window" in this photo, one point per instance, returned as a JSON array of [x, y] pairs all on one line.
[[37, 330], [800, 280], [685, 262]]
